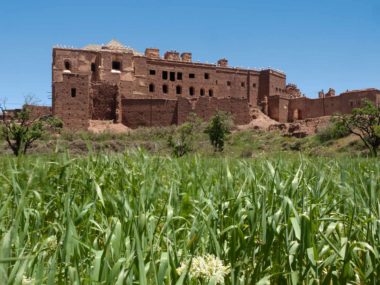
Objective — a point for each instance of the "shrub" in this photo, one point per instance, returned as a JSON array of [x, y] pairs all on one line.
[[334, 130], [181, 140], [218, 129]]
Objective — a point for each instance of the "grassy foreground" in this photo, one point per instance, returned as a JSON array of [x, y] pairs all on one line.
[[134, 218]]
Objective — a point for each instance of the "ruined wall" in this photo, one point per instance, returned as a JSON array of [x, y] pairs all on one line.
[[326, 106], [149, 112], [165, 112], [38, 111], [104, 101], [278, 108], [71, 97]]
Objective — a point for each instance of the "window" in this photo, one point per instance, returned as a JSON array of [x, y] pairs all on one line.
[[93, 67], [207, 76], [202, 92], [151, 87], [165, 89], [73, 92], [191, 91], [67, 65], [164, 75], [216, 82], [116, 65], [210, 93], [179, 75], [242, 84], [152, 72], [178, 90], [191, 75], [172, 76], [254, 85], [228, 83]]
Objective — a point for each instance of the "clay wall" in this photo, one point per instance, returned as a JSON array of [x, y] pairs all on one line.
[[72, 106], [149, 112], [104, 101], [304, 108], [38, 111], [165, 112]]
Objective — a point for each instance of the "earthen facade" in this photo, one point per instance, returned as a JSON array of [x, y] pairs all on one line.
[[114, 82]]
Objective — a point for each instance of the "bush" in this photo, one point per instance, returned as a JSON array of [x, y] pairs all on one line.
[[218, 128], [181, 140], [334, 130]]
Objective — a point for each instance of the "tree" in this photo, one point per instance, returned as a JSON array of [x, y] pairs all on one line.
[[218, 129], [181, 140], [20, 130], [364, 122]]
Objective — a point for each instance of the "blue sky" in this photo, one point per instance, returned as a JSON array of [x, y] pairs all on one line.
[[319, 44]]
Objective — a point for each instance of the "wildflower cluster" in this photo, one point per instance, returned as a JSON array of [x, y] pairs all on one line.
[[206, 267]]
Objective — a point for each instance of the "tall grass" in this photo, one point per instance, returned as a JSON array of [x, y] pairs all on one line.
[[133, 218]]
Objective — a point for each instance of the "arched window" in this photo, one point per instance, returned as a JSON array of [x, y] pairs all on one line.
[[67, 65], [165, 89], [178, 89], [151, 87], [202, 92], [210, 93], [191, 91]]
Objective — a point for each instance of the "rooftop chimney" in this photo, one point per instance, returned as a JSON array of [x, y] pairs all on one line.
[[223, 62], [152, 52], [172, 55], [186, 56]]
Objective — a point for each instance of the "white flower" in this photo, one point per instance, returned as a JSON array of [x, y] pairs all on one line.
[[27, 281], [52, 243], [206, 267]]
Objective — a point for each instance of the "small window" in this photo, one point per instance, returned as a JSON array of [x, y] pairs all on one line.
[[164, 75], [165, 89], [116, 65], [93, 67], [228, 83], [151, 87], [207, 76], [178, 90], [191, 91], [179, 75], [73, 92], [191, 75], [216, 82], [67, 65], [202, 92], [152, 72], [254, 85], [242, 84], [210, 93], [172, 76]]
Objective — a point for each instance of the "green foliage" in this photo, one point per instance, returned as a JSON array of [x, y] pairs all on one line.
[[218, 129], [334, 130], [181, 140], [365, 123], [135, 218], [20, 131]]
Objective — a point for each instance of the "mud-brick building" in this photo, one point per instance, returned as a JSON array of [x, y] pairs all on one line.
[[115, 82]]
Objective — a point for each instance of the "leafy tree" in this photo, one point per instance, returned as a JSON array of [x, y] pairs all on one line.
[[20, 130], [364, 122], [218, 129], [181, 140]]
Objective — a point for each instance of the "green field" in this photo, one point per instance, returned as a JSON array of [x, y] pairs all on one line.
[[134, 218]]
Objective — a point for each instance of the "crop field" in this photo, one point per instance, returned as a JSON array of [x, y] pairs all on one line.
[[137, 218]]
